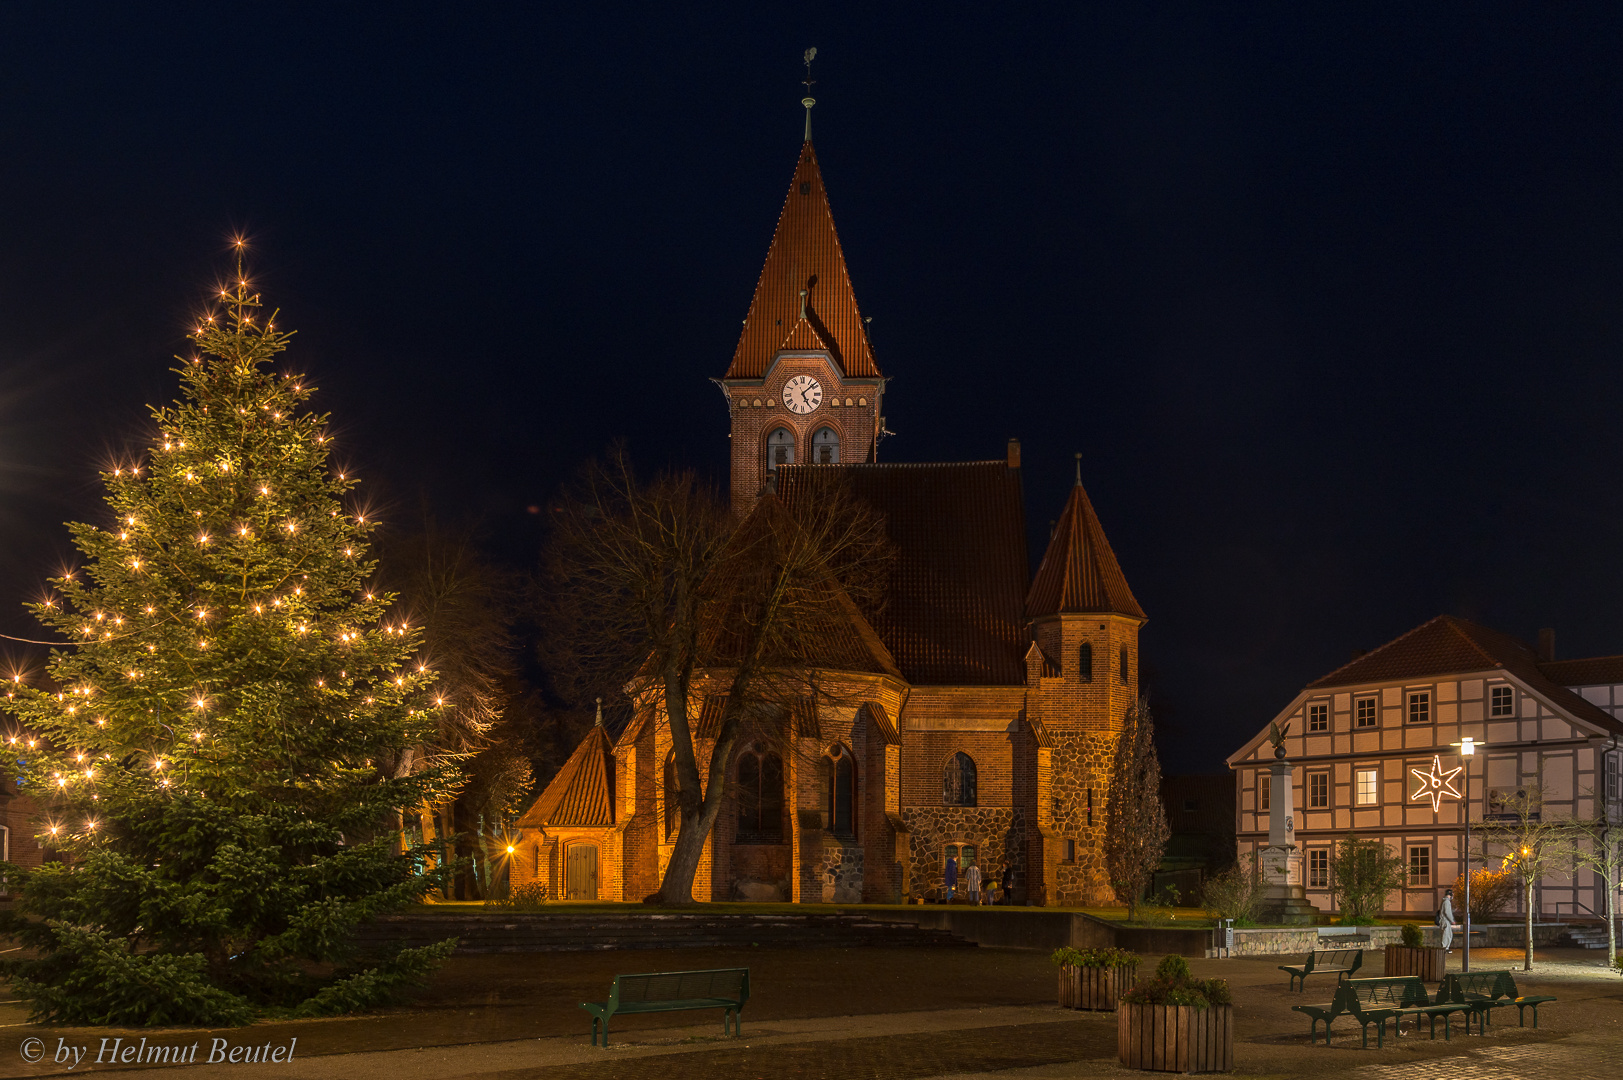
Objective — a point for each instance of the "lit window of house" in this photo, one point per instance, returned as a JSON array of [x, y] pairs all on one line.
[[1318, 868], [1611, 776], [1502, 701], [1364, 712], [1264, 790], [1318, 790], [1366, 787], [1419, 867], [1420, 707], [1318, 716]]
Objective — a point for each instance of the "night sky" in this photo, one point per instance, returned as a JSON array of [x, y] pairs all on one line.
[[1328, 298]]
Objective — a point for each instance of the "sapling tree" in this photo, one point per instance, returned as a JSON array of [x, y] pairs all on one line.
[[224, 745]]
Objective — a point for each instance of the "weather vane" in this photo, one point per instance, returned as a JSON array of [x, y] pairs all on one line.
[[808, 82]]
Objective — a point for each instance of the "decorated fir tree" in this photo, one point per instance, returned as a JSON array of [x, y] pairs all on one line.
[[224, 751]]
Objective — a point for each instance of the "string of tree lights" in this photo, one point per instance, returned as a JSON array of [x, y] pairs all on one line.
[[240, 724]]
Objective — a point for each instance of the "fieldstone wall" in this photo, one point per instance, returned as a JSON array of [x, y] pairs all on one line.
[[841, 873], [999, 832], [1080, 763]]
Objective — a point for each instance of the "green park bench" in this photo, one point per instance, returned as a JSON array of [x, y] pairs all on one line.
[[673, 991], [1485, 991], [1341, 961], [1408, 994]]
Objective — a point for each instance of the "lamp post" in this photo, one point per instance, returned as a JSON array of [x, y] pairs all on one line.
[[1467, 747]]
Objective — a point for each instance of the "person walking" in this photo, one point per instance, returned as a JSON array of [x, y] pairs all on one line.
[[972, 883], [950, 878], [1007, 884], [1445, 920]]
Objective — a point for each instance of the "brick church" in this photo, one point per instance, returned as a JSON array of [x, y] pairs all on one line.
[[976, 713]]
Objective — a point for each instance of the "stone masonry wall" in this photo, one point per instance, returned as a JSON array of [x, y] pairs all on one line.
[[999, 832], [1078, 783]]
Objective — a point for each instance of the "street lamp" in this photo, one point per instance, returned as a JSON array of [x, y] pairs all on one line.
[[1467, 747]]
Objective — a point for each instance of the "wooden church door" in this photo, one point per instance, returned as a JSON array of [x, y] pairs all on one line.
[[582, 883]]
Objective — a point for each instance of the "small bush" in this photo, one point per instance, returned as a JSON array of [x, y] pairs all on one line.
[[1173, 968], [1491, 890], [1413, 936], [531, 896], [1358, 920], [1236, 893], [1100, 958], [1173, 985]]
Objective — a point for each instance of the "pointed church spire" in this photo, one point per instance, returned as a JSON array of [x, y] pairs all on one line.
[[804, 277], [1079, 572]]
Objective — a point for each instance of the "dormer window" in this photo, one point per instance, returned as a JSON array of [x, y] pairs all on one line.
[[780, 448], [826, 447]]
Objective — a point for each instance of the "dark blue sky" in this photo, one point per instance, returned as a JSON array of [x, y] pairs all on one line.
[[1327, 296]]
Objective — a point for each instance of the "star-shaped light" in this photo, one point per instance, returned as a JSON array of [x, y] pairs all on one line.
[[1435, 784]]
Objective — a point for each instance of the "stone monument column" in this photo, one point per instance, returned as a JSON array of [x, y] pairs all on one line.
[[1284, 899]]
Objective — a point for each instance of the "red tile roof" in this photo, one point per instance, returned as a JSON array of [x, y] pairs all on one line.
[[955, 609], [580, 794], [1451, 646], [1079, 572], [1593, 671], [805, 254]]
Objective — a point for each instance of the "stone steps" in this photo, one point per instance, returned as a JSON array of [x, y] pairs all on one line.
[[515, 932], [1586, 937]]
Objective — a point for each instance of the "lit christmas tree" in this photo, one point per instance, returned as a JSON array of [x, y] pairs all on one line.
[[224, 752]]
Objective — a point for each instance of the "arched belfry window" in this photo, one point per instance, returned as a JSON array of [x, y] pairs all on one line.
[[826, 447], [760, 796], [958, 780], [1125, 671], [780, 448], [1084, 661], [837, 773]]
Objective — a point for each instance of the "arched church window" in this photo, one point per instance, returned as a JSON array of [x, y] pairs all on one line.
[[760, 797], [958, 780], [837, 773], [672, 816], [780, 448], [826, 447], [1084, 661], [1125, 671]]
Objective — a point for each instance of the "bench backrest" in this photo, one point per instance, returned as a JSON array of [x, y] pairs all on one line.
[[732, 984], [1339, 959], [1479, 983], [1399, 991]]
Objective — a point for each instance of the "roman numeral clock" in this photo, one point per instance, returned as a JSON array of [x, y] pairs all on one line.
[[802, 394]]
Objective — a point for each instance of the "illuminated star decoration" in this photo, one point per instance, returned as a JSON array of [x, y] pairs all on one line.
[[1435, 784]]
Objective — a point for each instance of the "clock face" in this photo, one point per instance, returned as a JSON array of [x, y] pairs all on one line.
[[802, 394]]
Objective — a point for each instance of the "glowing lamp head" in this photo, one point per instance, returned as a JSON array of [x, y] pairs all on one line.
[[1467, 746], [510, 849]]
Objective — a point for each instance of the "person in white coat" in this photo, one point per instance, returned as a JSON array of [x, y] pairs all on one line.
[[972, 883], [1445, 919]]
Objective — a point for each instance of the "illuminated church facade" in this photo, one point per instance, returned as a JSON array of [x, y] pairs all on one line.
[[973, 717]]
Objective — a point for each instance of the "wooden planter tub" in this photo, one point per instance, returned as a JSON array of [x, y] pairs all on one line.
[[1175, 1038], [1429, 964], [1097, 988]]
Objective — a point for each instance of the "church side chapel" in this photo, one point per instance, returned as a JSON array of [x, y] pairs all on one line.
[[973, 717]]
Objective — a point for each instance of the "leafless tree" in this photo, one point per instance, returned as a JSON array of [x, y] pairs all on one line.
[[1135, 818], [1598, 846], [1532, 845], [660, 575]]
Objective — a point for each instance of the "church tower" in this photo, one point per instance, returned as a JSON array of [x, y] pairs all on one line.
[[1083, 675], [802, 386]]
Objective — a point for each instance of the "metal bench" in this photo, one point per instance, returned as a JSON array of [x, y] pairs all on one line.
[[673, 991], [1375, 1001], [1341, 961], [1408, 994], [1507, 987], [1480, 990]]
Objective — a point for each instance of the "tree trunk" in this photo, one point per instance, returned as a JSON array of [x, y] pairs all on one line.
[[1611, 908], [1527, 959]]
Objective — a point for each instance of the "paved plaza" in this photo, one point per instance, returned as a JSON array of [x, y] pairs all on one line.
[[863, 1013]]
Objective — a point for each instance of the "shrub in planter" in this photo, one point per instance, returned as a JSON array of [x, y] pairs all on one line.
[[1094, 978], [1176, 1022], [1413, 957]]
